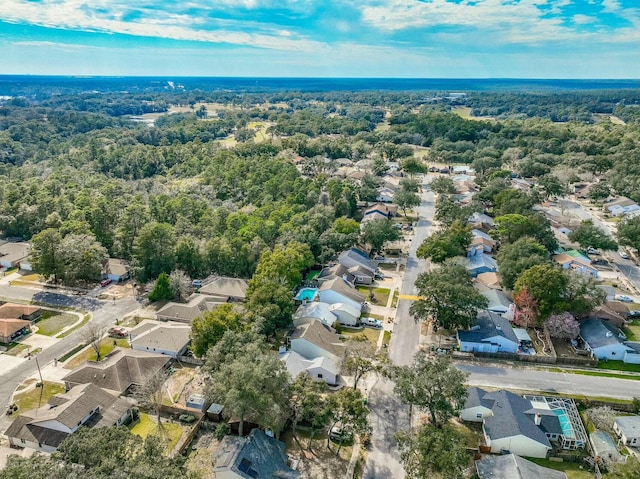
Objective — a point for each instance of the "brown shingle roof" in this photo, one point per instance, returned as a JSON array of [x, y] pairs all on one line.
[[338, 285], [13, 310], [10, 326]]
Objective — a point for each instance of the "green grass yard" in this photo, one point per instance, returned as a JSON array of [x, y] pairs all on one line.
[[52, 322], [29, 400], [106, 346], [633, 330], [380, 295], [170, 433], [371, 334]]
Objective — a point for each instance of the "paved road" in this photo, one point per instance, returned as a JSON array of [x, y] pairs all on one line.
[[540, 380], [387, 414], [104, 313]]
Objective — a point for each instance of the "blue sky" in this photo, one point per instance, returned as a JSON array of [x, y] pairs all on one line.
[[323, 38]]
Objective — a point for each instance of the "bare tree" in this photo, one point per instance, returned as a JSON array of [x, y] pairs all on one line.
[[92, 335], [361, 359], [149, 393], [180, 284]]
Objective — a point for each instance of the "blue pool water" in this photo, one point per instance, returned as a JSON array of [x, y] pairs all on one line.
[[306, 294]]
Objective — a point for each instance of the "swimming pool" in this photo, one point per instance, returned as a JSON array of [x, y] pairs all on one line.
[[306, 294]]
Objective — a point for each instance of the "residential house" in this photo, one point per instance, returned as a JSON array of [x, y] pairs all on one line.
[[336, 290], [621, 206], [481, 263], [574, 253], [605, 341], [12, 329], [499, 303], [489, 280], [385, 195], [512, 466], [43, 429], [481, 221], [20, 311], [314, 339], [15, 255], [226, 289], [118, 372], [484, 245], [604, 447], [521, 184], [490, 333], [354, 257], [187, 312], [628, 429], [336, 271], [169, 338], [567, 262], [347, 315], [614, 312], [375, 216], [320, 368], [524, 425], [257, 456], [314, 310], [387, 211], [117, 270]]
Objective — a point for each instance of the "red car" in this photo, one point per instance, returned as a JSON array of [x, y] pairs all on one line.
[[105, 282]]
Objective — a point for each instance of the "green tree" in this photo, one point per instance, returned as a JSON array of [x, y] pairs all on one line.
[[513, 226], [515, 258], [448, 211], [446, 243], [586, 234], [271, 304], [433, 452], [162, 289], [377, 232], [349, 413], [253, 382], [552, 186], [432, 384], [413, 166], [208, 328], [406, 199], [629, 232], [599, 191], [189, 256], [361, 358], [46, 255], [154, 250], [448, 297], [308, 404], [283, 263], [546, 284], [443, 185], [83, 258]]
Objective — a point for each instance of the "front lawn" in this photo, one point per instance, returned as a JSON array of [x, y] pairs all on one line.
[[52, 322], [370, 333], [380, 295], [632, 331], [170, 433], [620, 366], [29, 400], [571, 469], [14, 349], [106, 346]]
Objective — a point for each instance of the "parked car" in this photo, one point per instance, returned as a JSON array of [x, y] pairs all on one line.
[[634, 314], [624, 298], [196, 283], [371, 322], [600, 262], [592, 250], [105, 282], [623, 255]]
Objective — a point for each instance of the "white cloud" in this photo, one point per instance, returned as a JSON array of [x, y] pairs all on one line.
[[580, 19], [611, 6]]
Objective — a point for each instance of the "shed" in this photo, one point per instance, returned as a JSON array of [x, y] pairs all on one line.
[[196, 401], [214, 413], [604, 447]]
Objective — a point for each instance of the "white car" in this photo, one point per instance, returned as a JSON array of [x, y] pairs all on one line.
[[371, 322], [624, 298], [623, 255]]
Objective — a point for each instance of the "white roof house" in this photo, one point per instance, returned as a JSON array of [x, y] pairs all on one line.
[[347, 315], [628, 428], [320, 368], [336, 290], [307, 312]]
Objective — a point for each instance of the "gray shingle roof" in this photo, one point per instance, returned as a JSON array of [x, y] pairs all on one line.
[[475, 397], [226, 287], [317, 333], [598, 333], [355, 257], [167, 337], [488, 325], [338, 285], [512, 417], [122, 369], [629, 425], [510, 466], [257, 456]]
